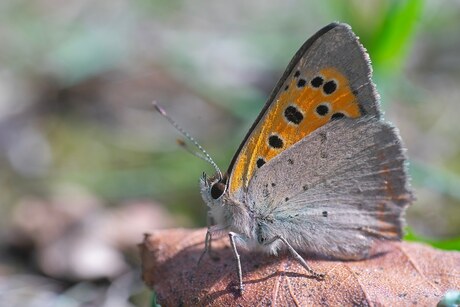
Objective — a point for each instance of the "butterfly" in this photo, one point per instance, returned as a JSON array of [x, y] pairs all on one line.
[[320, 171]]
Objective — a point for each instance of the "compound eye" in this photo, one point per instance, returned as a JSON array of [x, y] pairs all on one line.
[[217, 190]]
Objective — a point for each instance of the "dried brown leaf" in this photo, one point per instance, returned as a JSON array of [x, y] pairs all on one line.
[[399, 273]]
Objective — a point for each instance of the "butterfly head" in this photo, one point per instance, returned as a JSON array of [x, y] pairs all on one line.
[[213, 188]]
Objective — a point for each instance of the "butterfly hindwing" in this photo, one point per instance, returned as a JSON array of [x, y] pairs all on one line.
[[328, 79], [353, 188]]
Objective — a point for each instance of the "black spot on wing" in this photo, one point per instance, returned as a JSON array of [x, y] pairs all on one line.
[[260, 162], [275, 141], [293, 115], [337, 115], [301, 83], [316, 82], [322, 109], [329, 87]]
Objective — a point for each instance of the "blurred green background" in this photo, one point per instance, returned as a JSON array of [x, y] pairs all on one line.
[[87, 166]]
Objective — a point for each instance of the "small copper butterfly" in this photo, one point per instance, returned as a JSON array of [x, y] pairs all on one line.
[[319, 171]]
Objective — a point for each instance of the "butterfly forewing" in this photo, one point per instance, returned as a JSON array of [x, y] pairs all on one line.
[[327, 80]]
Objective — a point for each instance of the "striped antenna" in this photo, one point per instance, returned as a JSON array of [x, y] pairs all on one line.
[[204, 156]]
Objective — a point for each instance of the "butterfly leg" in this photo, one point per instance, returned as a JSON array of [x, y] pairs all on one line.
[[232, 236], [212, 227], [207, 244], [297, 256]]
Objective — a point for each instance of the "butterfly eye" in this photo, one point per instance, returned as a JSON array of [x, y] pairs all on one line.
[[217, 190]]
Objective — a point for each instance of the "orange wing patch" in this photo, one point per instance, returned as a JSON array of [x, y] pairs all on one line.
[[301, 107]]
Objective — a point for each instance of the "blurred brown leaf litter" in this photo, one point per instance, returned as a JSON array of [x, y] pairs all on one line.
[[398, 274]]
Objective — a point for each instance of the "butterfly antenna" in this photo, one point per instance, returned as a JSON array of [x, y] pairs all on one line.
[[205, 156], [184, 145]]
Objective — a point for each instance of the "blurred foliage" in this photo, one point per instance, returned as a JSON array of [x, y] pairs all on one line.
[[450, 299], [77, 129], [450, 244], [154, 300], [386, 29]]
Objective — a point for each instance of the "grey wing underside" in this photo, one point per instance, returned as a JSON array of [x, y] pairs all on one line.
[[336, 190]]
